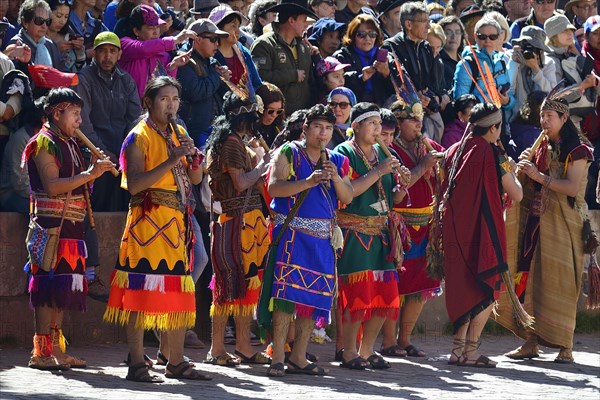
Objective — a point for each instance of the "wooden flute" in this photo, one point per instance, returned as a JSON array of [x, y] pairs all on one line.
[[324, 157], [387, 153], [174, 128], [95, 151], [534, 148]]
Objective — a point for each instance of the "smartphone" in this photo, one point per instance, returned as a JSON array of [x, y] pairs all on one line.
[[75, 37], [504, 88], [382, 55]]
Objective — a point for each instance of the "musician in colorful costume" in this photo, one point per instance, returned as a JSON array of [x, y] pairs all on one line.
[[474, 238], [302, 280], [415, 286], [152, 286], [367, 277], [548, 234], [240, 237], [57, 176]]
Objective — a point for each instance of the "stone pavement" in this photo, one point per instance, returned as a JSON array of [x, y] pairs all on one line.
[[409, 378]]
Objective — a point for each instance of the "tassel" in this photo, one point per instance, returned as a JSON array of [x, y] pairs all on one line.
[[590, 239], [77, 283], [154, 283], [337, 238], [42, 346], [593, 298], [521, 315]]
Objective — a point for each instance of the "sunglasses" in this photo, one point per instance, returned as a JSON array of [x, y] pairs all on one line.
[[212, 39], [482, 37], [328, 2], [544, 1], [342, 104], [67, 2], [272, 111], [39, 21], [364, 34]]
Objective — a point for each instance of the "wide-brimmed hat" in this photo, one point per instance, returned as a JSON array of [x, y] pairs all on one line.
[[203, 6], [556, 24], [571, 3], [219, 13], [293, 7], [535, 36], [384, 6], [470, 12]]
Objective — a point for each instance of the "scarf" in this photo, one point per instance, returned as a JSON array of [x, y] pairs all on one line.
[[42, 55], [366, 60], [595, 53]]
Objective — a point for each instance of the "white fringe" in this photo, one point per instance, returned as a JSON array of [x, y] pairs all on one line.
[[378, 275], [154, 282], [77, 283]]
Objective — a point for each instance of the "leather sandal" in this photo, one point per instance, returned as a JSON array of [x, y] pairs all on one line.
[[459, 345], [523, 353], [565, 356], [184, 370], [139, 373], [393, 351]]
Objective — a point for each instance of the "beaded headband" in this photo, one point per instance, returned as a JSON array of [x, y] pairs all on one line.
[[366, 115]]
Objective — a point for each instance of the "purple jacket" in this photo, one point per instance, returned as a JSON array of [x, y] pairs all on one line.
[[140, 58], [453, 133]]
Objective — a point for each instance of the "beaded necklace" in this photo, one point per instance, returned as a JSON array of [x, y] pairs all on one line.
[[381, 205]]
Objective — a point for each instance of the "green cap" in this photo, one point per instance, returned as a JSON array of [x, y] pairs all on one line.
[[107, 38]]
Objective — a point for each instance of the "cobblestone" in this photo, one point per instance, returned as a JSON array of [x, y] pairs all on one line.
[[409, 378]]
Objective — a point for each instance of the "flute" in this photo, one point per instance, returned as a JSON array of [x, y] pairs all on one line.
[[95, 151], [534, 148], [387, 153], [173, 127], [324, 157]]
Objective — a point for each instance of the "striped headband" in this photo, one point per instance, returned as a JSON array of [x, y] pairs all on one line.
[[366, 115]]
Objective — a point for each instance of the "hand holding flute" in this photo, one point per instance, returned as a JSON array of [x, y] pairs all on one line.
[[324, 157], [525, 159], [401, 173], [96, 152], [185, 141]]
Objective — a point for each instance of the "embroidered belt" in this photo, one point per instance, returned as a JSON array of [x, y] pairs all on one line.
[[416, 216], [157, 197], [314, 226], [373, 226], [52, 206], [247, 203]]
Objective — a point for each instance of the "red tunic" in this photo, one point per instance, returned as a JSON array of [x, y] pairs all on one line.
[[474, 236]]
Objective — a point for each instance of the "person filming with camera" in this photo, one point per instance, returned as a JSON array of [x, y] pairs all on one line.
[[529, 68]]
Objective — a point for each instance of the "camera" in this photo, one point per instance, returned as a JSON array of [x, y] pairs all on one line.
[[528, 50], [433, 105]]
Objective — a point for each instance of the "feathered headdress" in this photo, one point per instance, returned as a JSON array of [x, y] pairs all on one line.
[[408, 104], [244, 89], [556, 99]]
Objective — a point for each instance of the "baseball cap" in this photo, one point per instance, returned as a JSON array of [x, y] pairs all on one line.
[[107, 38], [205, 25], [218, 14], [591, 24], [146, 15], [329, 64]]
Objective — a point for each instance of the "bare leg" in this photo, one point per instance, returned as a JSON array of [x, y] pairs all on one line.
[[135, 340], [408, 318], [174, 345], [242, 335], [43, 319], [459, 344], [390, 333], [349, 337], [304, 327], [371, 329], [476, 326], [281, 323], [339, 330], [217, 348], [163, 345]]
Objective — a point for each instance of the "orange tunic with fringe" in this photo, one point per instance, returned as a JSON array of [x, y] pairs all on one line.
[[152, 276]]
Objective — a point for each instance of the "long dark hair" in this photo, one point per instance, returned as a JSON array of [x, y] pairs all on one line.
[[53, 6], [228, 124]]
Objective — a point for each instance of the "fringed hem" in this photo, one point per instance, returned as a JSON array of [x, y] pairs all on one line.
[[367, 314], [59, 291], [421, 296], [369, 275], [235, 310], [164, 322], [299, 310], [159, 283]]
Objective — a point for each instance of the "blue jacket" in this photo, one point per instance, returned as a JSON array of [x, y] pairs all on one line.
[[464, 85], [252, 71], [200, 102]]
